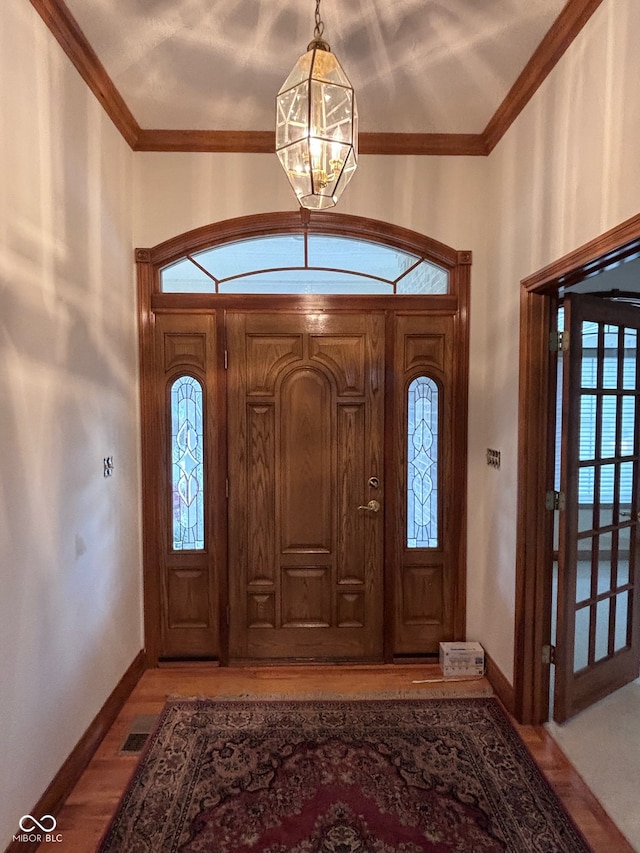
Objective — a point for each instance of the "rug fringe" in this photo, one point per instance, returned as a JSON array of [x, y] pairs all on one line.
[[429, 692]]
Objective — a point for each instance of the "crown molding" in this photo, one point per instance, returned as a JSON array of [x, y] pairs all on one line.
[[264, 142], [65, 29], [72, 40], [230, 141], [456, 144], [548, 53]]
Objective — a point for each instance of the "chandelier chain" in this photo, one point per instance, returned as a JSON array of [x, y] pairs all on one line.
[[319, 27]]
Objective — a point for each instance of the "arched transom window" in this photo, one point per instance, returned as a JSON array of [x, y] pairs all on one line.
[[304, 263]]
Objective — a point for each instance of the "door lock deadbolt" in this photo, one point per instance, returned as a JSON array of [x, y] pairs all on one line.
[[374, 482]]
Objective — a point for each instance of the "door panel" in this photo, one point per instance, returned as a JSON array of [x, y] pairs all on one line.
[[305, 414], [184, 594], [429, 586], [598, 630], [304, 419]]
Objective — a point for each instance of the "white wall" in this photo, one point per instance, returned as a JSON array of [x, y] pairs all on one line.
[[567, 171], [70, 566], [442, 197]]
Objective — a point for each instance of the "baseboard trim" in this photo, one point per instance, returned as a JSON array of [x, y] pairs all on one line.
[[502, 687], [65, 779]]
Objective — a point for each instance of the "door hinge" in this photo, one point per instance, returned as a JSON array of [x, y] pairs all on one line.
[[554, 500], [559, 342], [226, 359], [548, 654], [226, 488]]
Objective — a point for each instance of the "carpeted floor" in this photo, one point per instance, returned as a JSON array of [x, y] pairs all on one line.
[[368, 776]]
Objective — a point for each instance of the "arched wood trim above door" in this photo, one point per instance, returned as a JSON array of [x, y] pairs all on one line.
[[294, 222], [538, 303], [422, 332]]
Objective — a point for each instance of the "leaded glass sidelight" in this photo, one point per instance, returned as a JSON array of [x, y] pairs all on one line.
[[422, 464], [187, 464]]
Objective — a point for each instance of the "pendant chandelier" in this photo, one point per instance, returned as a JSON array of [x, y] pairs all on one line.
[[317, 125]]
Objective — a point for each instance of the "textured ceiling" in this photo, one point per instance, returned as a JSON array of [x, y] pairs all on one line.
[[418, 66]]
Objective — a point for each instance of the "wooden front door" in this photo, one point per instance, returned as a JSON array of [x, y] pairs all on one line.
[[598, 635], [306, 494]]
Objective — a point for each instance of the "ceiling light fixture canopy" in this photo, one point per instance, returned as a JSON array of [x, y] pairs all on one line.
[[317, 125]]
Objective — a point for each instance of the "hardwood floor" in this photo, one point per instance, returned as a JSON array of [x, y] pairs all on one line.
[[87, 811]]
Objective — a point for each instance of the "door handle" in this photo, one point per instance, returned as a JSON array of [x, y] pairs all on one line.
[[372, 506]]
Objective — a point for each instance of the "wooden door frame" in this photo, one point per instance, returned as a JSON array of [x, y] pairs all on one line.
[[536, 444], [152, 302]]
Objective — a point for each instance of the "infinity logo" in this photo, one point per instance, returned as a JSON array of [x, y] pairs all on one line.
[[47, 823]]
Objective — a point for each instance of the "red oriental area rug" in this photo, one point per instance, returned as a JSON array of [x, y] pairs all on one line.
[[369, 776]]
